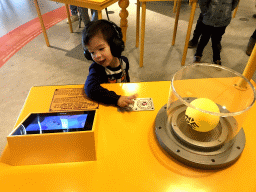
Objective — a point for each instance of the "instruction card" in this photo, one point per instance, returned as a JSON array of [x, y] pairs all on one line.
[[72, 99]]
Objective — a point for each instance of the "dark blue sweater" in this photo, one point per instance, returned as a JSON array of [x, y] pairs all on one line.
[[97, 75], [217, 13]]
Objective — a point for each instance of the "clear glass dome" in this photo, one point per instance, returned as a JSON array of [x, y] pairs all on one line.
[[230, 91]]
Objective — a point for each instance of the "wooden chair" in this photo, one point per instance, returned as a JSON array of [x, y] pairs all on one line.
[[140, 41]]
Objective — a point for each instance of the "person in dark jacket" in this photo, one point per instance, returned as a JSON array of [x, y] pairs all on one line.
[[217, 16], [102, 42]]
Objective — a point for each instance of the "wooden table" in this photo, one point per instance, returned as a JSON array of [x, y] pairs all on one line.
[[97, 5], [129, 157], [123, 19]]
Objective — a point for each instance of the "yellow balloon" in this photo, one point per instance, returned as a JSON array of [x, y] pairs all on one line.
[[199, 121]]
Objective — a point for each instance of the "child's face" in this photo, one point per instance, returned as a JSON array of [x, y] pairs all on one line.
[[100, 51]]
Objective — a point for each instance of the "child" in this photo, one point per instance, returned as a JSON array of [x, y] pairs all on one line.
[[102, 42], [216, 17]]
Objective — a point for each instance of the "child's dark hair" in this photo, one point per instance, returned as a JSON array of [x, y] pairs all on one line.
[[112, 34]]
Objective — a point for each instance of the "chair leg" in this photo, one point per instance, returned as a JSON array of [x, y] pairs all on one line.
[[142, 32], [99, 14], [107, 13], [138, 24]]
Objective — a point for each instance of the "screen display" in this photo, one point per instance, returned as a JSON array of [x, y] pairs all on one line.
[[62, 122], [56, 122]]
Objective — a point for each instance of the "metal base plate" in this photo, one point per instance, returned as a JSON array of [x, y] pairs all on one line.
[[213, 150]]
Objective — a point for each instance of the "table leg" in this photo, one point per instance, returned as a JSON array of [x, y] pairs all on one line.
[[234, 14], [69, 20], [42, 23], [138, 24], [123, 4], [192, 14], [174, 6], [142, 32], [99, 14], [176, 22]]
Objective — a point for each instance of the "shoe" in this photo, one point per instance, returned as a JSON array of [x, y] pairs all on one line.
[[217, 62], [250, 46], [192, 44], [254, 16], [197, 59], [73, 18]]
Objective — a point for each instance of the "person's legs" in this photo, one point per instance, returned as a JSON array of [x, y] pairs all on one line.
[[94, 15], [205, 37], [74, 11], [197, 32], [216, 37], [84, 15]]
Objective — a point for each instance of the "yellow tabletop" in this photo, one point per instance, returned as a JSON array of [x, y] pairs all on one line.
[[129, 157], [92, 4]]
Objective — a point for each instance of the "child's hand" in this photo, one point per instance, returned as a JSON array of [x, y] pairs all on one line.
[[124, 101]]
